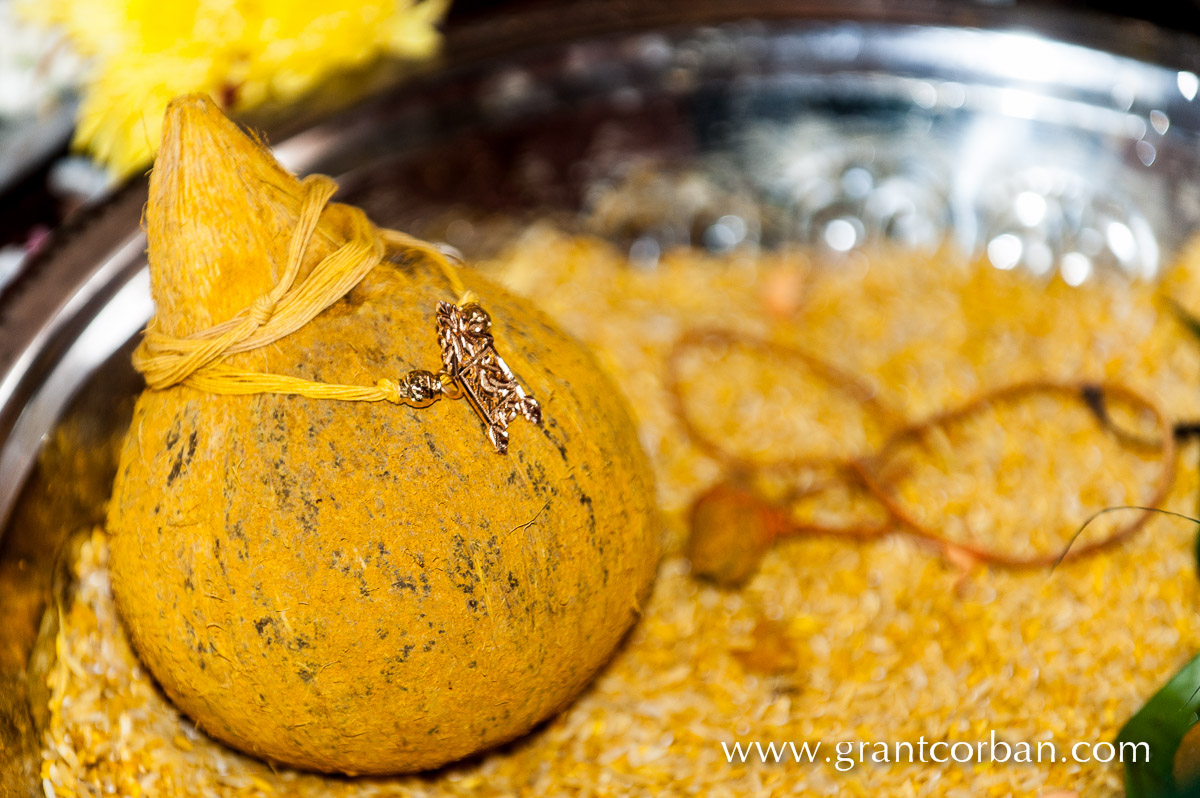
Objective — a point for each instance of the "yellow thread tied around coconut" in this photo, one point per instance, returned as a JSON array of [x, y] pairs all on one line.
[[198, 359]]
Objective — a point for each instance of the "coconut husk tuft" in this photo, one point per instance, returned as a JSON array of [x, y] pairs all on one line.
[[220, 218]]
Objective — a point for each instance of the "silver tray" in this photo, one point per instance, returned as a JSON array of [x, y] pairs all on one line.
[[1067, 150]]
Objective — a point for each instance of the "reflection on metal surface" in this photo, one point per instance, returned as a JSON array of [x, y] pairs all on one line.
[[1036, 154], [1032, 153], [119, 320], [842, 191], [1188, 83], [1026, 197], [649, 207], [1045, 218]]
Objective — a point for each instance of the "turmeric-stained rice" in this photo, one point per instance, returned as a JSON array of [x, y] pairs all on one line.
[[833, 640]]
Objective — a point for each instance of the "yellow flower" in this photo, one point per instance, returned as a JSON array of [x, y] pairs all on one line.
[[241, 52]]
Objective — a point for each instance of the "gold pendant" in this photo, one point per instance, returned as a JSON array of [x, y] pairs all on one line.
[[470, 359]]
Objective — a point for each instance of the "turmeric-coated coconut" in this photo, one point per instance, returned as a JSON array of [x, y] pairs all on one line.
[[362, 587]]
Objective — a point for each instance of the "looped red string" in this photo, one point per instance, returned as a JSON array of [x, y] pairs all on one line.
[[865, 473], [839, 470], [1082, 391]]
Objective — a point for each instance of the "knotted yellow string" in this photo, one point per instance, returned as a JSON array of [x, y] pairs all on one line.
[[198, 359]]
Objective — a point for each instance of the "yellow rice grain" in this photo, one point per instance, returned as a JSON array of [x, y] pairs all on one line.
[[883, 641]]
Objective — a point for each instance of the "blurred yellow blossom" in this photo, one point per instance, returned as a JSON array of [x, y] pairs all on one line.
[[242, 52]]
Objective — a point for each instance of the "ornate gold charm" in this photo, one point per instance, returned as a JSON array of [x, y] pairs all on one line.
[[469, 357]]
